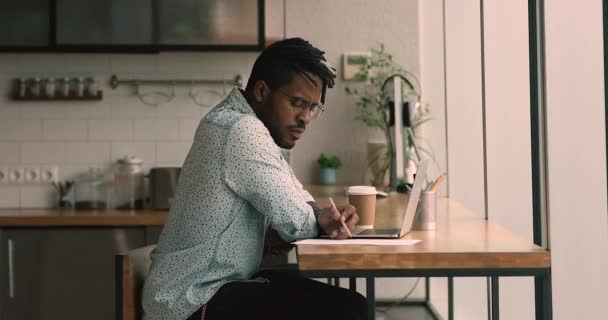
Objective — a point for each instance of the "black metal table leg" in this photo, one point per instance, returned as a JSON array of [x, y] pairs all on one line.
[[489, 297], [450, 298], [371, 297], [352, 283], [337, 282], [495, 299], [427, 289], [542, 288]]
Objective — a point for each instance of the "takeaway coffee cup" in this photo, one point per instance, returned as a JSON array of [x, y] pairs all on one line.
[[363, 198]]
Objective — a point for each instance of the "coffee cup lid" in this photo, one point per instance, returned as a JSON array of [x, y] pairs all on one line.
[[361, 190]]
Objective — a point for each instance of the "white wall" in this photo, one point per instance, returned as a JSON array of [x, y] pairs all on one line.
[[432, 80], [576, 159], [504, 76], [508, 137], [576, 147], [464, 104], [463, 94], [336, 27]]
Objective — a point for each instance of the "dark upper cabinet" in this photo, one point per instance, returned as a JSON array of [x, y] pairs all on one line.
[[103, 22], [24, 23], [131, 25], [212, 22]]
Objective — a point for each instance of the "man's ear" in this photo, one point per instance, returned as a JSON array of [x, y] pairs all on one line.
[[261, 91]]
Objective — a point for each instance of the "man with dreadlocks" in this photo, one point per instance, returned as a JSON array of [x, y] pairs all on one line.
[[233, 187]]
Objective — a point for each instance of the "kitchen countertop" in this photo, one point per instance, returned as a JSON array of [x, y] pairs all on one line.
[[10, 218], [39, 218]]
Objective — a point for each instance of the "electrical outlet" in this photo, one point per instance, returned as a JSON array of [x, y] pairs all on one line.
[[49, 174], [15, 175], [31, 175], [3, 175]]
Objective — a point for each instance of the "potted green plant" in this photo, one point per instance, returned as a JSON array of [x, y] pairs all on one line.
[[372, 109], [329, 164]]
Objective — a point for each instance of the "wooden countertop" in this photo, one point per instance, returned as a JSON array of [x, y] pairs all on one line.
[[39, 218], [36, 218], [461, 240]]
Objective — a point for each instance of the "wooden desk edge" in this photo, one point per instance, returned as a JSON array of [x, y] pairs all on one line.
[[436, 260]]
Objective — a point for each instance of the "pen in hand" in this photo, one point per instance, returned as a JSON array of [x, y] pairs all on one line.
[[341, 221]]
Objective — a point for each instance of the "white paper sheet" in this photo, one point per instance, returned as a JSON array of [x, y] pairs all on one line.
[[368, 242]]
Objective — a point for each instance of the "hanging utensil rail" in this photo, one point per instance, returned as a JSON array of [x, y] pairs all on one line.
[[115, 82]]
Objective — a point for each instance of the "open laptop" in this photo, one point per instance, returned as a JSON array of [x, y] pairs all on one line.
[[408, 215]]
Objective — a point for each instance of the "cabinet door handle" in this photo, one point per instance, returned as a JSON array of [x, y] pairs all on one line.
[[11, 268]]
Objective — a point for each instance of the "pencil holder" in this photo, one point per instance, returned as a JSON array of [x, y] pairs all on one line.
[[425, 212]]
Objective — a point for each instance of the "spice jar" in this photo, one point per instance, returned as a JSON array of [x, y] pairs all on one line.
[[80, 87], [21, 87], [92, 87], [65, 87], [50, 87], [35, 86]]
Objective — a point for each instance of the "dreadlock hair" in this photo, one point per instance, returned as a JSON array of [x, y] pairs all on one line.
[[277, 64]]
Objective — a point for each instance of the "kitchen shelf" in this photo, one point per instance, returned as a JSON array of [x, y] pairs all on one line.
[[71, 97]]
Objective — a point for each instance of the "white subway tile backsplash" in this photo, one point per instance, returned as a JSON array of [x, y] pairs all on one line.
[[94, 153], [41, 64], [20, 130], [70, 172], [180, 107], [9, 197], [144, 150], [156, 130], [180, 61], [172, 153], [187, 128], [9, 111], [38, 196], [42, 110], [110, 130], [64, 130], [8, 62], [209, 96], [43, 153], [7, 83], [9, 152], [206, 62], [86, 64], [91, 110], [204, 111], [129, 107], [133, 63]]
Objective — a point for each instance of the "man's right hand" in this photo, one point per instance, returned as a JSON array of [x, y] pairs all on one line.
[[329, 220]]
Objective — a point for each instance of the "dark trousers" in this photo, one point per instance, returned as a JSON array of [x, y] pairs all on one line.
[[287, 295]]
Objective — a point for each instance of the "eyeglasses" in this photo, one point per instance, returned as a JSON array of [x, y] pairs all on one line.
[[302, 105]]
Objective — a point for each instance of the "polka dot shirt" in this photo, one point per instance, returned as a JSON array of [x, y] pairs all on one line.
[[233, 184]]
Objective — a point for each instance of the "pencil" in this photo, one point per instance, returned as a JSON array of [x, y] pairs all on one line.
[[437, 183], [341, 221]]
